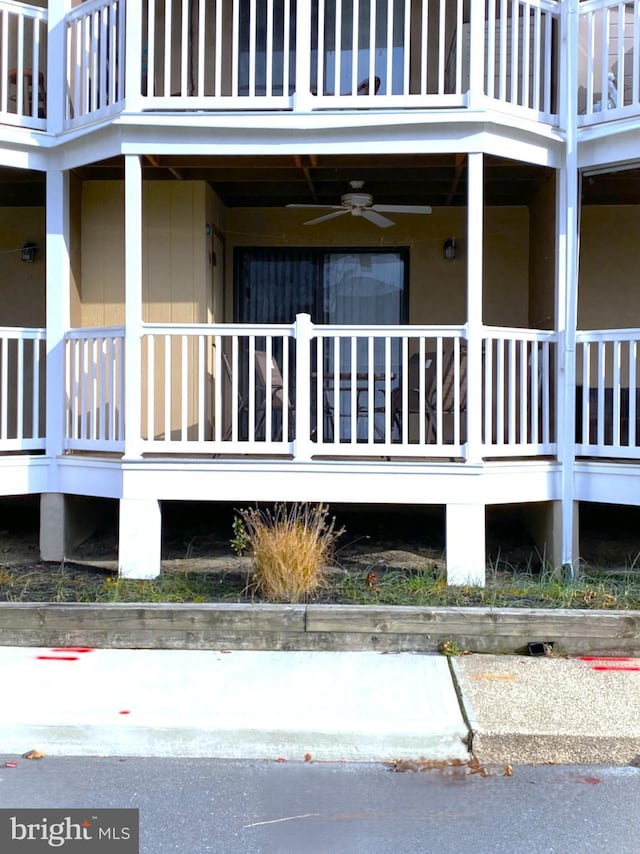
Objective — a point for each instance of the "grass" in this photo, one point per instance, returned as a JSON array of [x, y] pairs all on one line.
[[424, 587]]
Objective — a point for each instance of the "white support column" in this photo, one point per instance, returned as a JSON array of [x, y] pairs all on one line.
[[303, 333], [466, 551], [56, 65], [133, 304], [475, 229], [53, 514], [567, 224], [58, 310], [139, 547]]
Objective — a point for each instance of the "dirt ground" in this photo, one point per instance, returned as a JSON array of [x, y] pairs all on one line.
[[197, 537]]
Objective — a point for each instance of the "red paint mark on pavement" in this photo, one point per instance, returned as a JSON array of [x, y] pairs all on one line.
[[613, 669], [610, 663], [64, 649], [593, 781], [124, 712], [72, 649]]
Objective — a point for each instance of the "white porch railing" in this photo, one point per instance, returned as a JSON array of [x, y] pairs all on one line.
[[305, 390], [221, 388], [94, 370], [23, 64], [324, 54], [607, 393], [95, 60], [518, 385], [372, 396], [609, 61], [22, 367]]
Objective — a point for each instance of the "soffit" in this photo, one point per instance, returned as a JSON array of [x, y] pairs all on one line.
[[437, 180]]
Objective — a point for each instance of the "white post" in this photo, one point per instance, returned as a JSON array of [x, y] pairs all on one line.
[[475, 216], [476, 96], [302, 93], [133, 304], [133, 57], [567, 224], [465, 534], [56, 66], [140, 537], [303, 334], [58, 297], [53, 511]]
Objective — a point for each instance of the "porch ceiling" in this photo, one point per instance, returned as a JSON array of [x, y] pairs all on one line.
[[437, 180], [278, 180]]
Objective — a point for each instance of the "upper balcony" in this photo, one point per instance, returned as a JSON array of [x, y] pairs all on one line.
[[283, 55]]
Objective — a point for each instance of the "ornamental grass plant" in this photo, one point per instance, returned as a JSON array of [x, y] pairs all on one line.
[[291, 547]]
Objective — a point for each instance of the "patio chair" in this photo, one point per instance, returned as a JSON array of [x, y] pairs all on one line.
[[449, 392], [430, 390], [277, 391], [413, 388], [277, 394], [364, 87]]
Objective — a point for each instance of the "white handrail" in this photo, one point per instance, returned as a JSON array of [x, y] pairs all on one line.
[[23, 40], [22, 384]]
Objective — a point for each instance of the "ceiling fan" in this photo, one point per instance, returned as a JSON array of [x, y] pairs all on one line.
[[361, 204]]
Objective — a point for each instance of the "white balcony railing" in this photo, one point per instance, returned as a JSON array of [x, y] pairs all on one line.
[[22, 385], [518, 383], [305, 390], [94, 366], [95, 60], [609, 60], [23, 64], [607, 393], [325, 54]]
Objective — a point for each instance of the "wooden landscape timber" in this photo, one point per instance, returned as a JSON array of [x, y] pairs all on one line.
[[318, 627]]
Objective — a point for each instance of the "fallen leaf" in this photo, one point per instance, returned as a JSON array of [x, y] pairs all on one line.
[[33, 754], [281, 759], [508, 771], [307, 757]]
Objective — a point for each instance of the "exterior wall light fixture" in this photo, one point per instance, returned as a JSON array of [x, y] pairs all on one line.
[[449, 249], [28, 252]]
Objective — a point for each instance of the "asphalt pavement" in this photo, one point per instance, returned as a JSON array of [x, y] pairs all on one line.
[[330, 706]]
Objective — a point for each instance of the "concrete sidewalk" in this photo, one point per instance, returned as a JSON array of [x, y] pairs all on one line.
[[332, 706], [527, 709]]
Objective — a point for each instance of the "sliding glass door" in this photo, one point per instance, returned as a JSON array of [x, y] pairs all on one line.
[[336, 287]]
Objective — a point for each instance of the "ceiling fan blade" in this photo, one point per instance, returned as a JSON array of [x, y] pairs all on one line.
[[376, 218], [408, 209], [324, 207], [326, 217]]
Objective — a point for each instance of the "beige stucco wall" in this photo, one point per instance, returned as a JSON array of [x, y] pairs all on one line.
[[542, 256], [437, 288], [609, 263], [22, 285]]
